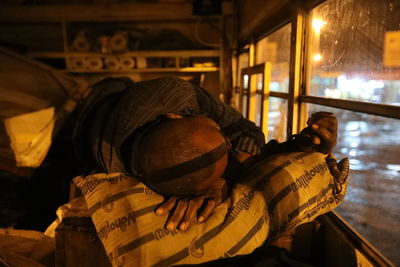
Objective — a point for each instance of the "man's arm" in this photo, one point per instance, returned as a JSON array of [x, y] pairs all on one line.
[[244, 135], [320, 135]]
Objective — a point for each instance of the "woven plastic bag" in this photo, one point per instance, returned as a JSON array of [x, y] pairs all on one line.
[[274, 196]]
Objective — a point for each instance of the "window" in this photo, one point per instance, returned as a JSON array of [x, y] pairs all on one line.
[[266, 84], [354, 56], [355, 51], [277, 118], [242, 84], [275, 49], [347, 62]]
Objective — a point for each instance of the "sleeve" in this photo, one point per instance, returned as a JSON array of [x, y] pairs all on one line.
[[244, 135], [295, 143]]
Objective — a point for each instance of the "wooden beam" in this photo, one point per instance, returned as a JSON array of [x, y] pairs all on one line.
[[384, 110], [256, 69], [295, 114], [148, 70], [265, 98], [279, 94], [332, 220], [178, 53], [259, 18], [104, 12], [251, 115]]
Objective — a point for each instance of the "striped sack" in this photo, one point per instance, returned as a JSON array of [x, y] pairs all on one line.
[[274, 196]]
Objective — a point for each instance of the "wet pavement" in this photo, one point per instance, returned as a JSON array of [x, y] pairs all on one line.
[[372, 203]]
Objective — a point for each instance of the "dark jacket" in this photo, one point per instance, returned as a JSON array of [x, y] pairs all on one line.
[[117, 108]]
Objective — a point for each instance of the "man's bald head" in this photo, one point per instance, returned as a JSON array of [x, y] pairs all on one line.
[[182, 156]]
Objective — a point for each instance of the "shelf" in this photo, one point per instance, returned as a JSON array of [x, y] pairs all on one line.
[[79, 62], [162, 11], [188, 69], [179, 53]]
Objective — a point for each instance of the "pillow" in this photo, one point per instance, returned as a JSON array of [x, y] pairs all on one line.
[[274, 196]]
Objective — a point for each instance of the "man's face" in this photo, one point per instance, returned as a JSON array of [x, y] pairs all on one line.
[[217, 189], [194, 152], [214, 186]]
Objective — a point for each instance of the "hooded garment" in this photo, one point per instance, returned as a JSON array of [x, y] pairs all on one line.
[[117, 110]]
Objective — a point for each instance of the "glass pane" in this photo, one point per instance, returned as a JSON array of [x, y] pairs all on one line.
[[277, 117], [372, 203], [355, 51], [241, 82], [246, 81], [259, 99], [244, 88], [260, 81], [243, 63], [236, 98], [258, 109], [275, 48], [244, 104]]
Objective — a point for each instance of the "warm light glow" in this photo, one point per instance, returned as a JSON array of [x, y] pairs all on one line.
[[317, 57], [358, 88], [317, 24], [246, 81], [333, 93]]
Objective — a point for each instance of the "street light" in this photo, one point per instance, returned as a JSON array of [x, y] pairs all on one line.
[[317, 24]]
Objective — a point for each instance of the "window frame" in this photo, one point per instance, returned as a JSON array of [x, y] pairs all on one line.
[[297, 97]]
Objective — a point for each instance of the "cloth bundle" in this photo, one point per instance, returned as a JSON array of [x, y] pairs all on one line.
[[24, 248], [273, 196]]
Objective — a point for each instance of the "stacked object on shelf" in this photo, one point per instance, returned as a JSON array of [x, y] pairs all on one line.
[[81, 43], [104, 42], [76, 63], [119, 42], [141, 63], [112, 63], [94, 63], [127, 62]]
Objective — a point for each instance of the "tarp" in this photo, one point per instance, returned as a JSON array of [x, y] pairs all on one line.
[[34, 101]]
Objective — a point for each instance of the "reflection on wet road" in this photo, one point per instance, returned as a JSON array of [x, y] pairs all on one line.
[[372, 203]]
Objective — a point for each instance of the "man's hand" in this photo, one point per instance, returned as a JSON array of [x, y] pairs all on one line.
[[242, 156], [321, 133], [186, 211]]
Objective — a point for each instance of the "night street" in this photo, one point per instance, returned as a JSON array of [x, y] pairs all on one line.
[[372, 205]]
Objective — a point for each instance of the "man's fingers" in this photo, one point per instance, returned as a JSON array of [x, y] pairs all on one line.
[[324, 125], [211, 204], [178, 214], [165, 207], [324, 134], [191, 213], [316, 140], [330, 123]]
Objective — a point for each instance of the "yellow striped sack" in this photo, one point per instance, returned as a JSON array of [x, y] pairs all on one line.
[[274, 196]]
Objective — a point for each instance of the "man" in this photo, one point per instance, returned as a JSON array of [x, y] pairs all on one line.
[[118, 110], [119, 113], [185, 158]]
